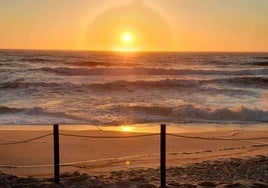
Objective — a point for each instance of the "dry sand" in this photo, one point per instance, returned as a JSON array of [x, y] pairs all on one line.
[[134, 162]]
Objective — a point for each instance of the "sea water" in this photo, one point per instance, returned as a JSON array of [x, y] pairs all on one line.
[[113, 88]]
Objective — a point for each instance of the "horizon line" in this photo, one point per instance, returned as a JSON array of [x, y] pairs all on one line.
[[142, 51]]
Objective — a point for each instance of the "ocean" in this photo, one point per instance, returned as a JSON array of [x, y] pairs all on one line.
[[113, 88]]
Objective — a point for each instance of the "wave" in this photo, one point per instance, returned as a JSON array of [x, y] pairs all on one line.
[[161, 84], [261, 63], [190, 113], [141, 84], [77, 61], [19, 84], [261, 57], [246, 80], [36, 111], [137, 114], [176, 83], [7, 110], [148, 71], [37, 59], [101, 64], [3, 64], [92, 63]]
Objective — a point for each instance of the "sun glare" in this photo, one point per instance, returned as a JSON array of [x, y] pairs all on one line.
[[127, 37], [126, 128], [126, 43]]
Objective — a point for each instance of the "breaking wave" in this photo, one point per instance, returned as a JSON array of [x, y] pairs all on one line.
[[143, 114], [190, 113], [36, 111]]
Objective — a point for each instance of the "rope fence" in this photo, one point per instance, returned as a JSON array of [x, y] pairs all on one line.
[[162, 136], [132, 136]]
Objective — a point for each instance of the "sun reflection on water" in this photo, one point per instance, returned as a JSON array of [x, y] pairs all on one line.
[[126, 129]]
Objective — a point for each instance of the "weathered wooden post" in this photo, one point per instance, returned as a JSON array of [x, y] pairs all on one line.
[[163, 155], [56, 154]]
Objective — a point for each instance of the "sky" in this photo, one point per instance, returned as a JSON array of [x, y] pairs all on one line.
[[135, 25]]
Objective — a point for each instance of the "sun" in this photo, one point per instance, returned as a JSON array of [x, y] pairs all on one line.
[[126, 42], [127, 38]]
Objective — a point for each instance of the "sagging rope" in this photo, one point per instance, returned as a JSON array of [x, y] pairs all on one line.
[[168, 134], [134, 136], [28, 140], [110, 137], [214, 138]]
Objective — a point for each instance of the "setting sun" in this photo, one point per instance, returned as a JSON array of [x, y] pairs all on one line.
[[127, 38], [127, 42]]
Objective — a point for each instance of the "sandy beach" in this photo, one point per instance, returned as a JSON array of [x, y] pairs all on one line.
[[217, 158], [134, 94]]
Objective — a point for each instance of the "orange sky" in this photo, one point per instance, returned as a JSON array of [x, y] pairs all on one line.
[[151, 25]]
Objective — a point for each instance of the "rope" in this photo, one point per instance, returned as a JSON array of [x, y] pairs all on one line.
[[134, 136], [110, 137], [28, 140], [207, 138]]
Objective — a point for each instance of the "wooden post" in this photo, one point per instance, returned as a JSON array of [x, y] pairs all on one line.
[[163, 156], [56, 154]]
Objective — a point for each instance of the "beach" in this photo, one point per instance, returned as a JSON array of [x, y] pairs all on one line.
[[134, 94], [101, 158]]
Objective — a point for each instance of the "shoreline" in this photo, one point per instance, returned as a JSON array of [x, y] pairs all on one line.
[[146, 128]]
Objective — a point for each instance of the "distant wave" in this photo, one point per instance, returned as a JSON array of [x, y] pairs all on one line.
[[3, 64], [76, 61], [91, 63], [167, 83], [261, 57], [84, 63], [141, 84], [261, 63], [19, 84], [37, 59], [190, 113], [149, 71], [245, 80]]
